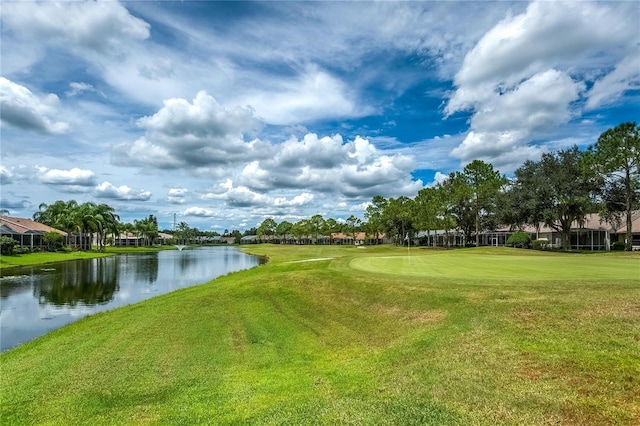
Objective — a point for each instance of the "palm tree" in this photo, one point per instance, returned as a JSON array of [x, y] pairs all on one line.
[[58, 215], [88, 223], [109, 221]]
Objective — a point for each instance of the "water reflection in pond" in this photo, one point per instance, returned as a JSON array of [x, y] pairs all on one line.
[[35, 300]]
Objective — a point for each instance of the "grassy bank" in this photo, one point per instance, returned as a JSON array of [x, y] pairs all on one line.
[[42, 258], [339, 335]]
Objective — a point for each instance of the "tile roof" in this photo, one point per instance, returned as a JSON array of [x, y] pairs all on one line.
[[25, 226], [635, 223]]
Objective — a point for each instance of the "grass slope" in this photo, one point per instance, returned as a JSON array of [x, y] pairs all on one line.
[[355, 339]]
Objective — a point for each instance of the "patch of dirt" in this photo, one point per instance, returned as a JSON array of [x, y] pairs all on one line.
[[622, 310], [414, 316]]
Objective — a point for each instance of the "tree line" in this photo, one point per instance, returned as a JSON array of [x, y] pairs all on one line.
[[90, 222], [559, 189]]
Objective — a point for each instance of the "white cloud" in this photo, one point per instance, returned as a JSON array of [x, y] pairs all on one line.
[[76, 88], [354, 168], [527, 75], [103, 27], [241, 196], [547, 34], [313, 95], [297, 201], [199, 212], [75, 176], [189, 135], [123, 192], [506, 122], [438, 178], [625, 76], [177, 195], [19, 107], [538, 103]]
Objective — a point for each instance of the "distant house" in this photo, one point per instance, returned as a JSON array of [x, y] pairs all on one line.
[[229, 240], [621, 233], [249, 239], [348, 239], [591, 233], [127, 239], [358, 239], [441, 238], [27, 233], [163, 237]]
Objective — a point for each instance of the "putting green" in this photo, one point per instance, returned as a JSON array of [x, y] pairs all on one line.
[[509, 267]]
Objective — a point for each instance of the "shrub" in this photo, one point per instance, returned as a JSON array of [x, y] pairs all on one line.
[[539, 244], [21, 250], [618, 245], [7, 246], [520, 240], [54, 240]]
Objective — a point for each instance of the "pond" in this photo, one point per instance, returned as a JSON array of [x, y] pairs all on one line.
[[37, 299]]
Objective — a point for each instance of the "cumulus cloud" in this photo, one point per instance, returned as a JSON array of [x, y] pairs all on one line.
[[199, 212], [19, 107], [123, 192], [297, 201], [547, 34], [506, 122], [240, 196], [103, 27], [74, 180], [188, 135], [438, 178], [202, 136], [244, 197], [177, 195], [328, 164], [527, 76]]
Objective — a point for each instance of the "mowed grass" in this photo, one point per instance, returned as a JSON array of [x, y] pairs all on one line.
[[47, 257], [41, 258], [485, 264], [356, 339]]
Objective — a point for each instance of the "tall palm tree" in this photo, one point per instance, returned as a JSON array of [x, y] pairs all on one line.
[[87, 223], [108, 220]]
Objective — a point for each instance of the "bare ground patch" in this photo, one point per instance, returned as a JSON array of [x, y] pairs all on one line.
[[414, 316]]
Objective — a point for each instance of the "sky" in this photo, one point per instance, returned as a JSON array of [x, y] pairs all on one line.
[[222, 114]]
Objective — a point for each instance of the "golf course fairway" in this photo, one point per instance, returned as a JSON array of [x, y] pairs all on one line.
[[330, 335], [462, 264]]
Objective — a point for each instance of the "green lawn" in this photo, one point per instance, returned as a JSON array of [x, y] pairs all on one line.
[[46, 257], [41, 258], [370, 336], [489, 264]]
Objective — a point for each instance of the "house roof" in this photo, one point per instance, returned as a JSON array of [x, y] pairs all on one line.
[[635, 223], [26, 226], [341, 236]]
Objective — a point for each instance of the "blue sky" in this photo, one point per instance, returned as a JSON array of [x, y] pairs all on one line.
[[226, 113]]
